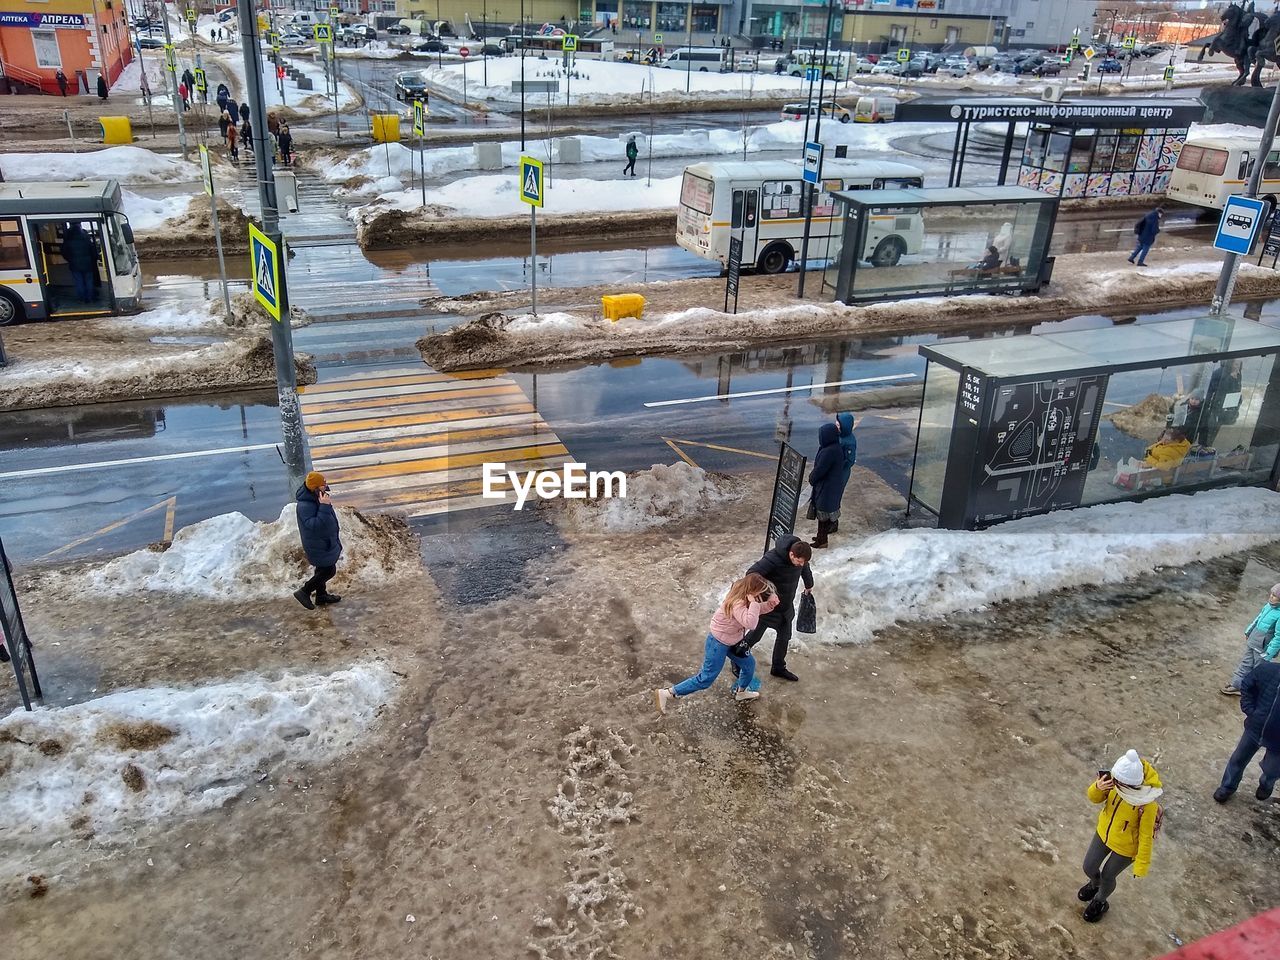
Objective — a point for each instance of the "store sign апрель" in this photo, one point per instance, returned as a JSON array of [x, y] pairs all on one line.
[[36, 21]]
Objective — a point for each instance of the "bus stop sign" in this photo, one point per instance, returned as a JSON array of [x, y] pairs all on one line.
[[264, 271], [812, 162], [1241, 219]]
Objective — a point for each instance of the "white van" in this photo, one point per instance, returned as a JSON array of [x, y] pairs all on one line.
[[305, 19], [875, 109], [701, 59]]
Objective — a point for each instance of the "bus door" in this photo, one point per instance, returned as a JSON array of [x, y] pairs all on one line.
[[65, 295], [744, 219]]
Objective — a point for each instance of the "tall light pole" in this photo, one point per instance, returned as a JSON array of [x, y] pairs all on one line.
[[170, 51], [521, 76], [807, 195]]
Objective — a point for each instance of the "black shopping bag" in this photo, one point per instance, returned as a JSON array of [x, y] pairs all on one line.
[[807, 617]]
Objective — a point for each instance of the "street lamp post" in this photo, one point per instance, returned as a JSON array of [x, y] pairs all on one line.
[[484, 37]]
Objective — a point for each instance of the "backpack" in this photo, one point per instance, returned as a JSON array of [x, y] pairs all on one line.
[[1155, 831]]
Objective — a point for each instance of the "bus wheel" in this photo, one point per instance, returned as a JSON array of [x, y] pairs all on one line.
[[828, 76], [10, 311], [888, 252], [775, 259]]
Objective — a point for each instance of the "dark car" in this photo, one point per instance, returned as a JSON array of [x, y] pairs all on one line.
[[1110, 65], [398, 30], [1049, 68], [410, 86], [359, 33], [430, 45], [150, 43], [491, 50]]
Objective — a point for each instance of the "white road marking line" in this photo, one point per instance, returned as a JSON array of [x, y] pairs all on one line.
[[69, 467], [762, 393]]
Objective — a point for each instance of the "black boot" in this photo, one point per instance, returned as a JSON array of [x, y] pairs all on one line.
[[820, 541], [835, 527], [324, 598], [303, 596]]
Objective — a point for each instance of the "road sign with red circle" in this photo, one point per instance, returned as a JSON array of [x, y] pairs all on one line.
[[465, 51]]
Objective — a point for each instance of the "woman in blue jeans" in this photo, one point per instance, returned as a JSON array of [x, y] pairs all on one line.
[[737, 614]]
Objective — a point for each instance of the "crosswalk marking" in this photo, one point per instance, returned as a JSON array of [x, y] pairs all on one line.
[[415, 441]]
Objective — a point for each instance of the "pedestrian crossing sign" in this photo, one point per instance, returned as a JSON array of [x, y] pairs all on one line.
[[1168, 74], [202, 82], [323, 33], [904, 54], [570, 43], [657, 38], [531, 181], [419, 118], [264, 271], [170, 58], [1129, 42], [191, 15]]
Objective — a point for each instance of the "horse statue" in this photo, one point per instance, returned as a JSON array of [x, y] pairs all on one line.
[[1265, 47], [1236, 38]]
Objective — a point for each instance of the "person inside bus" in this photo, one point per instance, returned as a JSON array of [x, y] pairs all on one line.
[[81, 254]]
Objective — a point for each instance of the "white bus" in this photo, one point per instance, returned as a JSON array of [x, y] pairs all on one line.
[[1210, 170], [760, 203], [701, 59], [548, 47], [834, 64], [35, 281]]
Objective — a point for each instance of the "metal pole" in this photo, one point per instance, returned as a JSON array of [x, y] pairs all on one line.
[[295, 442], [70, 133], [806, 196], [533, 255], [222, 263], [337, 122], [422, 166], [1230, 261], [522, 76], [173, 79], [484, 21]]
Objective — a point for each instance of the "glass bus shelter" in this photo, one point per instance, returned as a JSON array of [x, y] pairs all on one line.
[[1019, 425]]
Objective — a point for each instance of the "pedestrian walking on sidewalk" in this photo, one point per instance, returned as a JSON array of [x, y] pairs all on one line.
[[784, 566], [102, 87], [232, 136], [246, 135], [1260, 702], [632, 153], [1126, 829], [183, 93], [244, 113], [62, 82], [1261, 642], [318, 530], [747, 600], [826, 482], [849, 446], [1147, 229]]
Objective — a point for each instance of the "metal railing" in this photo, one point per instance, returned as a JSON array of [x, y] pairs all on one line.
[[32, 78]]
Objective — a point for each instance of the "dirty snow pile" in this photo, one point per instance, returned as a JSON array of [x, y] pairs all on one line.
[[175, 318], [122, 164], [138, 755], [910, 575], [151, 213], [499, 196], [657, 496], [230, 557]]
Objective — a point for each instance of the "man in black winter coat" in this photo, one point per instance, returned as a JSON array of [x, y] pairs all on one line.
[[783, 566], [318, 530], [1260, 701]]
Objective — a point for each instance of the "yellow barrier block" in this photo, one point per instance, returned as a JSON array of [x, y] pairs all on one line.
[[386, 128], [621, 305], [116, 129]]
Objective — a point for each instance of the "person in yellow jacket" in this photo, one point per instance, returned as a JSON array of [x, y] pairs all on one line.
[[1126, 828], [1169, 451]]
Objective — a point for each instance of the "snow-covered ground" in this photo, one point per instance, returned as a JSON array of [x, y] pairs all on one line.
[[124, 164], [230, 557], [149, 213], [660, 495], [139, 755], [910, 575], [318, 100], [1208, 131]]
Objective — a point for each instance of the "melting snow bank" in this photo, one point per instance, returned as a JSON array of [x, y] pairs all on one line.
[[122, 164], [910, 575], [656, 496], [1082, 283], [156, 752], [231, 557]]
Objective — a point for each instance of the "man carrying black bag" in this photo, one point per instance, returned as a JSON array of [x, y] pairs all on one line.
[[783, 566]]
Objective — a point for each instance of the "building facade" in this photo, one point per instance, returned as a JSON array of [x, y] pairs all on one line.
[[82, 38]]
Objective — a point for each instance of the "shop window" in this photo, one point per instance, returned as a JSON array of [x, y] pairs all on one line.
[[48, 56]]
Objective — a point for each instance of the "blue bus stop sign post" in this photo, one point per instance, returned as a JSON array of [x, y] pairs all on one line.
[[1241, 219], [812, 162]]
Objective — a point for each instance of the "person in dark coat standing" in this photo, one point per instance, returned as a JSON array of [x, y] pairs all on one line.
[[1260, 701], [244, 113], [826, 479], [318, 530], [102, 87], [849, 444], [1147, 229], [632, 153], [784, 566], [81, 255], [62, 82], [286, 144]]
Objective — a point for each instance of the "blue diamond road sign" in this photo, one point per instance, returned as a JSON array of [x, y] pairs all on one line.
[[1241, 218]]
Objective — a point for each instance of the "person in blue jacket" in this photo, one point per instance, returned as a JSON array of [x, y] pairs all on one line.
[[827, 481], [318, 530], [849, 444], [1147, 229], [1260, 642]]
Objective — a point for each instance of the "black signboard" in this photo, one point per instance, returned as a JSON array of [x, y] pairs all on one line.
[[13, 633], [786, 494], [735, 271], [1091, 112]]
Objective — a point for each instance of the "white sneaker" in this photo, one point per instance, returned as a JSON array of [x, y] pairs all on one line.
[[741, 695], [662, 697]]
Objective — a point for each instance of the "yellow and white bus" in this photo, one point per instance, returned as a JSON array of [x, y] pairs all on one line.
[[35, 281], [760, 203], [1213, 169]]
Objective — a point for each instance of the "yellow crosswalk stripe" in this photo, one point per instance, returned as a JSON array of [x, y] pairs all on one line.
[[415, 441]]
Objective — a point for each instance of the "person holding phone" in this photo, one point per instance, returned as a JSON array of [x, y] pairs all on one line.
[[1126, 829], [738, 613], [318, 530]]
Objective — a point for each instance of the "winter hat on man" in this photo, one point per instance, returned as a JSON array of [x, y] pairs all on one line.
[[315, 481], [1127, 770]]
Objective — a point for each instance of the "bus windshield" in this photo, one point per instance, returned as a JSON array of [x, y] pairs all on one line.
[[696, 193]]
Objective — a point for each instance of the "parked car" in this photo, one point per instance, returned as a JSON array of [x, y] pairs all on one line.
[[359, 33], [864, 65], [955, 67], [887, 67], [226, 15], [410, 86], [151, 43], [1110, 65], [294, 40], [1049, 68], [830, 108], [491, 50], [1152, 49], [430, 45], [398, 30]]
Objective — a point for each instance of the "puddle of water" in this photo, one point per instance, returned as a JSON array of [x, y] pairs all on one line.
[[185, 340]]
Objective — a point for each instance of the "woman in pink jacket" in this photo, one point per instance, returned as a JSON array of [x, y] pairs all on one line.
[[737, 615]]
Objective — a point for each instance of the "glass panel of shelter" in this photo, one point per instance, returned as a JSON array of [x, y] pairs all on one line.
[[933, 443]]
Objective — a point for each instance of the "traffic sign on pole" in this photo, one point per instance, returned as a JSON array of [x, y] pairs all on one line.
[[1241, 219], [904, 54], [657, 38], [1129, 42], [191, 15], [264, 271], [202, 81], [464, 52], [570, 43], [1090, 53], [812, 162], [1168, 74], [531, 181], [419, 118], [170, 58], [323, 33]]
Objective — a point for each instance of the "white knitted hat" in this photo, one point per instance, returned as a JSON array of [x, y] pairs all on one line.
[[1128, 770]]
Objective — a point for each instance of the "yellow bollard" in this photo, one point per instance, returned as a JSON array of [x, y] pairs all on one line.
[[386, 128], [116, 129], [621, 305]]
